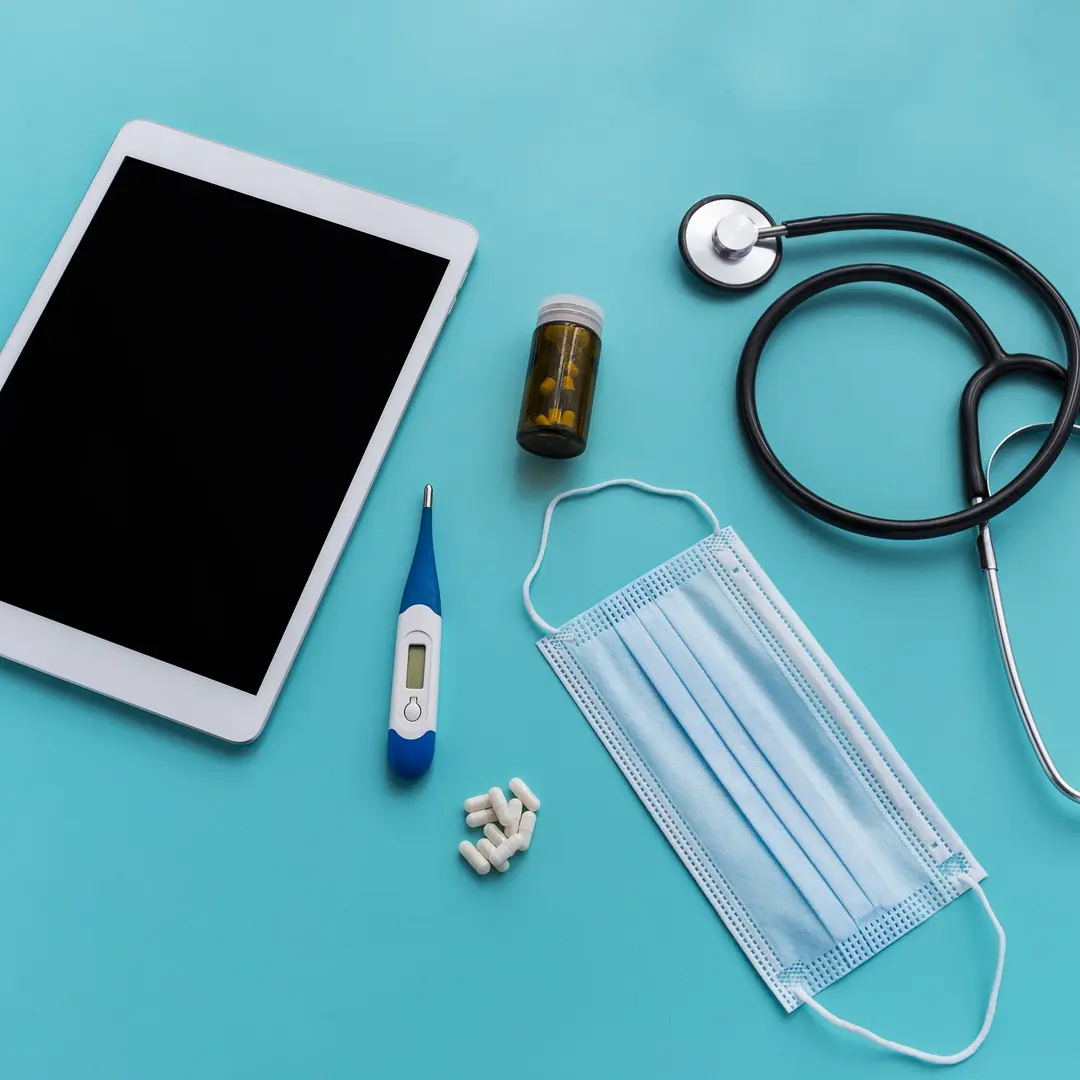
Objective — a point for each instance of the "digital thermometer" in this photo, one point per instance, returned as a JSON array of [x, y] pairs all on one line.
[[414, 698]]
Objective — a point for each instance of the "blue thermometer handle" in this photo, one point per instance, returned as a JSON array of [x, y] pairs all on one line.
[[414, 696]]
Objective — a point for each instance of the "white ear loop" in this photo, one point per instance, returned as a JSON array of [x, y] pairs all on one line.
[[910, 1051], [624, 482]]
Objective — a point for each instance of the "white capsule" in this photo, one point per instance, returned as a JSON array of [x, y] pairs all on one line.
[[525, 829], [508, 847], [498, 804], [473, 857], [494, 833], [480, 817], [514, 806], [489, 851], [477, 802], [524, 793]]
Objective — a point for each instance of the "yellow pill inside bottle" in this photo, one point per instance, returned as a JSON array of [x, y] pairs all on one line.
[[562, 369]]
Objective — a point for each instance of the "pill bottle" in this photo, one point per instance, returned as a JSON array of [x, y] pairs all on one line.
[[559, 386]]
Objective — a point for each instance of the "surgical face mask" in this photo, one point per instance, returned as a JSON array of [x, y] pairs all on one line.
[[794, 813]]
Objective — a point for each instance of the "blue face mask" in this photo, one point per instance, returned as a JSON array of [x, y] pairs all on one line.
[[794, 813]]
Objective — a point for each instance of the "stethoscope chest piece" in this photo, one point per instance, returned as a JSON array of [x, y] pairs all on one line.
[[720, 241]]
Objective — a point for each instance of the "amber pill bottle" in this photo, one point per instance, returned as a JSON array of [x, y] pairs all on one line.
[[559, 385]]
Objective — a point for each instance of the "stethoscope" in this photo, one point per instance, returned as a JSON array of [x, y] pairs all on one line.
[[733, 243]]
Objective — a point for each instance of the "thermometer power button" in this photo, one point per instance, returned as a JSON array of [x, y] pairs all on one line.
[[412, 710]]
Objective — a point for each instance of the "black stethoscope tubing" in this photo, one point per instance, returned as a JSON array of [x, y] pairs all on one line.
[[996, 364]]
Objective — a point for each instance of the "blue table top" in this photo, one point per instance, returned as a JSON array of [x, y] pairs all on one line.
[[173, 907]]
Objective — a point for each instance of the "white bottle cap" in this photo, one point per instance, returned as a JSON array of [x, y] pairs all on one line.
[[565, 307]]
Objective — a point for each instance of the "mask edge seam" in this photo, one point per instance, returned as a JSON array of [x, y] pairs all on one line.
[[572, 629], [906, 913]]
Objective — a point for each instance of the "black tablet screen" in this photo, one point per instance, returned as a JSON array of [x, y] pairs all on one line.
[[180, 429]]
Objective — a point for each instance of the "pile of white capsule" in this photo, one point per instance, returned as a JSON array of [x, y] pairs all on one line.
[[508, 826]]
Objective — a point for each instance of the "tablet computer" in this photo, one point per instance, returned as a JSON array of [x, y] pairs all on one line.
[[193, 406]]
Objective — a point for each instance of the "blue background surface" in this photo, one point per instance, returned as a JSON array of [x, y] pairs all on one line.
[[172, 907]]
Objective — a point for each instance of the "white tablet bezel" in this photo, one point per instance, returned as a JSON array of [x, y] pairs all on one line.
[[141, 680]]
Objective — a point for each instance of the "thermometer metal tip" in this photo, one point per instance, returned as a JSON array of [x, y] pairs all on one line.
[[428, 492]]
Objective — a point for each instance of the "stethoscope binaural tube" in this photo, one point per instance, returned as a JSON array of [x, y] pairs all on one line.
[[1001, 625], [996, 363]]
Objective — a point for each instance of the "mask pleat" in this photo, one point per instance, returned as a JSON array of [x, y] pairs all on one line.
[[705, 813], [755, 765], [788, 731], [759, 814]]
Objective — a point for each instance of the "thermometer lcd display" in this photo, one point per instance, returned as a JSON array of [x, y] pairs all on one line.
[[414, 667]]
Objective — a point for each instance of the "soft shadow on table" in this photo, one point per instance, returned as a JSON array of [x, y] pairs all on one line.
[[804, 258], [100, 707], [547, 476], [812, 255], [402, 785], [958, 548], [836, 252]]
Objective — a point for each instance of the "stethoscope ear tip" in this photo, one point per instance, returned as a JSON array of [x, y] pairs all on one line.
[[718, 240]]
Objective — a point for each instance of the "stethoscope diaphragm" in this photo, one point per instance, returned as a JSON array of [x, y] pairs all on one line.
[[718, 239]]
